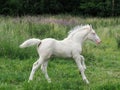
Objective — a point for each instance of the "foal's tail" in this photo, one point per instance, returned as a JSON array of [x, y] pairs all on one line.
[[30, 42]]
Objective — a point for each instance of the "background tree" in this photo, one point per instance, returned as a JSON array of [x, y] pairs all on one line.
[[102, 8]]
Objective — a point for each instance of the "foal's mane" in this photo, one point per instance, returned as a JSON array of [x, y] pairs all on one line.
[[76, 29]]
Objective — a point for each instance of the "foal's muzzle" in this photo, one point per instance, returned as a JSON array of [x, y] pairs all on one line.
[[98, 41]]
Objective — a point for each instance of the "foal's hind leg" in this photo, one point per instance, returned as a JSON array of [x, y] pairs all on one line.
[[44, 70], [35, 67]]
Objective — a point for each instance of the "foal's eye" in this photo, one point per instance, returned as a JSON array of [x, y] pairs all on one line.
[[93, 33]]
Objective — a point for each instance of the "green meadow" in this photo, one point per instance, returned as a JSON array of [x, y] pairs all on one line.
[[102, 61]]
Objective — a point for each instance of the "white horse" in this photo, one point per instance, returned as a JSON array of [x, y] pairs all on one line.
[[70, 47]]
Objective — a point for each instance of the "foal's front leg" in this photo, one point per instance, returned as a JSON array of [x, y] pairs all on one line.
[[83, 62], [77, 59]]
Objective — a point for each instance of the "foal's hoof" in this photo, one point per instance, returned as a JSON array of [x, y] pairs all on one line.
[[86, 81]]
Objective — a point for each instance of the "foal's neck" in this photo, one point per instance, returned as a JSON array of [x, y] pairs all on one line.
[[79, 37]]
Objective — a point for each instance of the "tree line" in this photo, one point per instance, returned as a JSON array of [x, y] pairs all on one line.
[[102, 8]]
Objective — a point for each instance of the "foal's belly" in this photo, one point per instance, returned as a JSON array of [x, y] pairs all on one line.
[[62, 54]]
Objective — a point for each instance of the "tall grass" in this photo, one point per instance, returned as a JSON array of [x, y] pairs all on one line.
[[13, 31]]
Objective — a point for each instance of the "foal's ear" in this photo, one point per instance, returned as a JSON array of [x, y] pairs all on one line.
[[90, 26]]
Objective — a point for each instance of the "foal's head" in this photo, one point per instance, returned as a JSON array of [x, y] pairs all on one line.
[[93, 36], [84, 32]]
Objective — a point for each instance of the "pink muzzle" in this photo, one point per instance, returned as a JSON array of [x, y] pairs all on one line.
[[98, 41]]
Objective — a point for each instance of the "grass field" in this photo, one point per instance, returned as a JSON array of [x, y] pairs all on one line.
[[102, 61]]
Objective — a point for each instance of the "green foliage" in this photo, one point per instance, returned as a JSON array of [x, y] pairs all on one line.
[[103, 8]]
